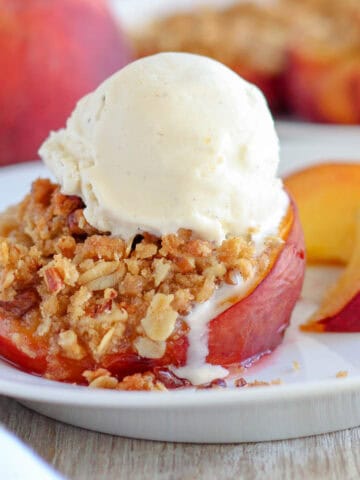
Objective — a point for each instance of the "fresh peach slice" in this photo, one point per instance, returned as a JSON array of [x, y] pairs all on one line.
[[340, 309], [328, 196]]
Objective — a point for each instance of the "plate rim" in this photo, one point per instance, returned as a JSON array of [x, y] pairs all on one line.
[[56, 393], [53, 392]]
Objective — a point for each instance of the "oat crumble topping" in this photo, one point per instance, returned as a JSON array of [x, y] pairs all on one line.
[[93, 296]]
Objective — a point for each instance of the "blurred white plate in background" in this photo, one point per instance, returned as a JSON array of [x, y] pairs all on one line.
[[135, 13]]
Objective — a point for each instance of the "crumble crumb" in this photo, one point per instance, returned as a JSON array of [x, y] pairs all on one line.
[[342, 374], [102, 378], [160, 318], [296, 366], [68, 341], [241, 382], [260, 383]]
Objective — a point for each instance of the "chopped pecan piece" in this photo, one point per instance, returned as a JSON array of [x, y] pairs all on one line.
[[53, 280], [169, 379], [22, 303]]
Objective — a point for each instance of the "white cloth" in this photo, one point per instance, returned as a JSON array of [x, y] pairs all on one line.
[[18, 462]]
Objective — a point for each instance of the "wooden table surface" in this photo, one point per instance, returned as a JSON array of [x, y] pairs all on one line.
[[84, 455]]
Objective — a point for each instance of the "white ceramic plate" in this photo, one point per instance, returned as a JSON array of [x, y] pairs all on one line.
[[311, 400]]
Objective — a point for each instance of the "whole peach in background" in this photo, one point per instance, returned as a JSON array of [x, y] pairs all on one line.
[[51, 54]]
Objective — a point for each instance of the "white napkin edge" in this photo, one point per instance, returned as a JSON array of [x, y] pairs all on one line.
[[17, 461]]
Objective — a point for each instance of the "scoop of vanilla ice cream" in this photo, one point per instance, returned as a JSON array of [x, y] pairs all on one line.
[[172, 141]]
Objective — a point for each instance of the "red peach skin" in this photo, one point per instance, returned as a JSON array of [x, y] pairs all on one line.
[[347, 320], [256, 325], [51, 54]]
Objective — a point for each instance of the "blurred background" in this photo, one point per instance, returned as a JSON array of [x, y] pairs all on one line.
[[303, 54]]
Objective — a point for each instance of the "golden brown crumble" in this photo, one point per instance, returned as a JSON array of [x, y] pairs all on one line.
[[241, 382], [93, 295], [102, 378]]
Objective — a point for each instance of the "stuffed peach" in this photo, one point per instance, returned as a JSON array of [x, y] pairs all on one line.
[[47, 65], [251, 327], [328, 196]]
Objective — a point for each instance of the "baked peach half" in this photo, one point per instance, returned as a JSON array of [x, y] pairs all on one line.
[[328, 198], [248, 327], [256, 324], [324, 85]]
